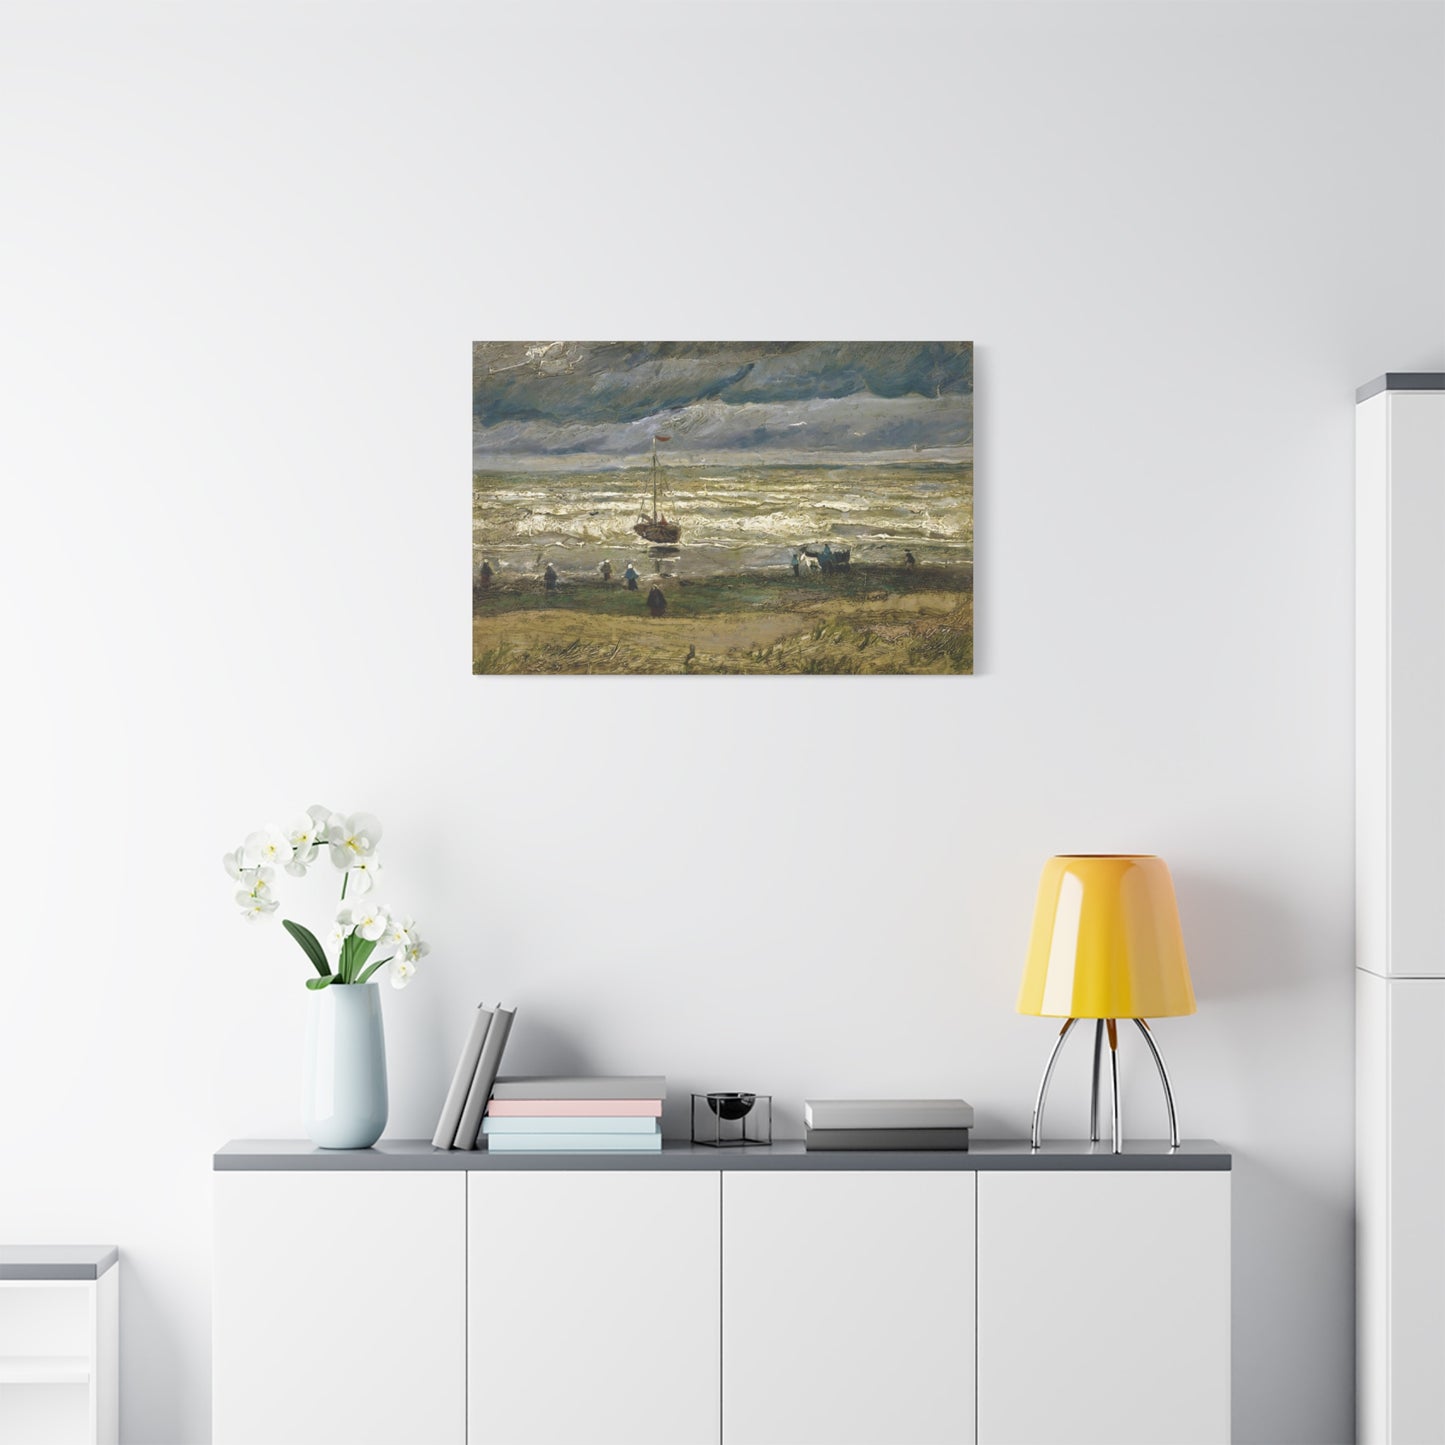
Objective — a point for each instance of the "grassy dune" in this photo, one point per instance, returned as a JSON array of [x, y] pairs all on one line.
[[866, 620]]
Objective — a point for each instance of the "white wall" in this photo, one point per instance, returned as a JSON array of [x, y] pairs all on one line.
[[245, 251]]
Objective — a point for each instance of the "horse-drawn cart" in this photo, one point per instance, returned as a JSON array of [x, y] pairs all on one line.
[[830, 558]]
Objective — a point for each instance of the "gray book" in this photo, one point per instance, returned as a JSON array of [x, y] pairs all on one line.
[[587, 1086], [862, 1139], [446, 1134], [488, 1062], [888, 1114]]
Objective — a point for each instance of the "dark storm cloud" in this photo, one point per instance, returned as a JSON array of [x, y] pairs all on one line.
[[602, 399]]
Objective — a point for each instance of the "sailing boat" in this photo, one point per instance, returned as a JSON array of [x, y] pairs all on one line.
[[657, 528]]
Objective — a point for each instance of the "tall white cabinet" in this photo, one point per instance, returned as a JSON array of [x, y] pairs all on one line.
[[1400, 907]]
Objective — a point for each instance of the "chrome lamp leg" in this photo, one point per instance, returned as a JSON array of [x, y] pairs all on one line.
[[1163, 1079], [1044, 1082], [1114, 1080], [1094, 1092]]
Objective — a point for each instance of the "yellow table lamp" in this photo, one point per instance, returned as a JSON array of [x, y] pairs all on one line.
[[1106, 945]]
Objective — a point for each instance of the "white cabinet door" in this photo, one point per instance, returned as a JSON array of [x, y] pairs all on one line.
[[1399, 1185], [1400, 683], [338, 1315], [1103, 1308], [848, 1308], [592, 1310]]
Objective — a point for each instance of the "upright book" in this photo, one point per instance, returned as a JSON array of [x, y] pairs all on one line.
[[489, 1061], [451, 1116]]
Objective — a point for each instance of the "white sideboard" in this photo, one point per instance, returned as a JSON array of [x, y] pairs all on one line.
[[1400, 908], [721, 1297], [59, 1345]]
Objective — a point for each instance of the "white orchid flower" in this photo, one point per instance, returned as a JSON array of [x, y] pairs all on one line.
[[402, 932], [372, 922], [320, 817], [255, 906], [363, 873], [235, 863], [352, 838], [342, 927], [401, 972], [303, 836], [269, 848]]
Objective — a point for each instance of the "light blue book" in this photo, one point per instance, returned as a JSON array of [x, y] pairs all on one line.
[[568, 1125], [575, 1143]]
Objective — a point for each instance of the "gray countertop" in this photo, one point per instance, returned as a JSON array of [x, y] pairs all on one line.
[[291, 1154], [1402, 381], [56, 1261]]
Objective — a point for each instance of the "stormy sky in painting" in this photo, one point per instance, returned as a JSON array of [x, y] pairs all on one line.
[[580, 404]]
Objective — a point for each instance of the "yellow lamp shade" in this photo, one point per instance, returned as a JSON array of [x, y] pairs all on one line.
[[1106, 942]]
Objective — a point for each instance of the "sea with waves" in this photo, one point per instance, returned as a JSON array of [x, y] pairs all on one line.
[[733, 519]]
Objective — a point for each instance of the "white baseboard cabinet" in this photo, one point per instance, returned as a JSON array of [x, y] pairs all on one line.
[[407, 1296], [59, 1345], [1400, 909], [338, 1312], [847, 1308], [1103, 1308], [592, 1311]]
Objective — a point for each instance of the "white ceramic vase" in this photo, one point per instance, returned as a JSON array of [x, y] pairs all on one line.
[[344, 1103]]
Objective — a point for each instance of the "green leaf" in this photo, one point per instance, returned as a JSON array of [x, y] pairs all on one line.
[[378, 964], [320, 982], [363, 949], [309, 945]]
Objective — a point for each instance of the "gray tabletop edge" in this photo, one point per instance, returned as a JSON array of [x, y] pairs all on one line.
[[56, 1262], [255, 1155], [1401, 381]]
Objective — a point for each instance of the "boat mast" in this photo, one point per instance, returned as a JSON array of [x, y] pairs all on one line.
[[654, 479]]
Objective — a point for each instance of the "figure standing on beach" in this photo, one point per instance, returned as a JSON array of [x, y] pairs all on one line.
[[656, 602], [795, 561], [484, 574], [630, 577], [909, 560], [549, 578], [827, 558], [606, 570]]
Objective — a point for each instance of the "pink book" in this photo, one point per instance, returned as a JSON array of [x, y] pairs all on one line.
[[575, 1108]]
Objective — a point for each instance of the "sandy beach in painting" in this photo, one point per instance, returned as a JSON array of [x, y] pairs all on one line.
[[814, 533]]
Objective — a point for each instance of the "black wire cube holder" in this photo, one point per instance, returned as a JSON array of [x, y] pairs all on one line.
[[726, 1121]]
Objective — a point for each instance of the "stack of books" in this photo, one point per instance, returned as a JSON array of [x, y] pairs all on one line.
[[460, 1125], [886, 1123], [569, 1114]]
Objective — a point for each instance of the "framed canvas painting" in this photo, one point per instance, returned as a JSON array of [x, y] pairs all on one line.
[[722, 507]]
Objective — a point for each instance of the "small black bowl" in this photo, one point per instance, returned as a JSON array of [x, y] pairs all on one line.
[[731, 1106]]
